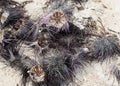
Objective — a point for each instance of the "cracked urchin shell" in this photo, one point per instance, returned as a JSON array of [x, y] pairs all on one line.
[[56, 19]]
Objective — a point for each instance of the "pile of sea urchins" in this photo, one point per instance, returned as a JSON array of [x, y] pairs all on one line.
[[48, 51]]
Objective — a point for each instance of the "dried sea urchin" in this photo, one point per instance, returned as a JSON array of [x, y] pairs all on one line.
[[105, 48], [57, 72], [14, 15], [56, 19], [15, 12]]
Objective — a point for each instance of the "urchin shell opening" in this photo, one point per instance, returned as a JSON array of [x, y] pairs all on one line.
[[74, 48]]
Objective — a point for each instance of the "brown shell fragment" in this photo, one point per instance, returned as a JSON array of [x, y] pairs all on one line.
[[37, 74], [56, 19]]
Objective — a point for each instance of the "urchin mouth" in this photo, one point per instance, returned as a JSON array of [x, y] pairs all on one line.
[[36, 74], [56, 19]]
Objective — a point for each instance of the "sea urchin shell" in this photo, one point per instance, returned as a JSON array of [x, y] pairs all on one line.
[[37, 74], [56, 19]]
